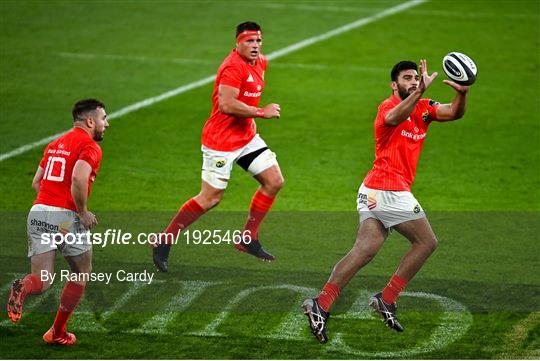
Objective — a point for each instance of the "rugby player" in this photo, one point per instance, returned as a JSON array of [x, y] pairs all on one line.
[[62, 182], [385, 200], [229, 136]]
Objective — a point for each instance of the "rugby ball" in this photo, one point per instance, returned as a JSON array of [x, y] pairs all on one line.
[[460, 68]]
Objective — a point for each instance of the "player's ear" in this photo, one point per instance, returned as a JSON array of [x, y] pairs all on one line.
[[90, 122], [393, 85]]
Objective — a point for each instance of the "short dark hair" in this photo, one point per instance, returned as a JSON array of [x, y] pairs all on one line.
[[82, 107], [402, 65], [248, 25]]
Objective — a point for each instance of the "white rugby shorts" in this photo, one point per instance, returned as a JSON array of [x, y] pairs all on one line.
[[45, 221], [389, 207], [254, 157]]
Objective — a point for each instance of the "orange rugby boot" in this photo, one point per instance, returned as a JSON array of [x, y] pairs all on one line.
[[15, 301], [67, 339]]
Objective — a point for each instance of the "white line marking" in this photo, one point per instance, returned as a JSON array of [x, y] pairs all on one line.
[[512, 348], [471, 15], [35, 301], [345, 28], [145, 59], [4, 290], [135, 288], [189, 291], [325, 8], [291, 327], [349, 9], [360, 309], [210, 329], [86, 320], [199, 83], [6, 287], [454, 323], [142, 59]]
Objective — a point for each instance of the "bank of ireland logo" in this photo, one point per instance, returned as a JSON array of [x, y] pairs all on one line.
[[416, 209], [221, 163]]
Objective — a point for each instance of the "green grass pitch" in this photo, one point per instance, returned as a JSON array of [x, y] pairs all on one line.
[[478, 178]]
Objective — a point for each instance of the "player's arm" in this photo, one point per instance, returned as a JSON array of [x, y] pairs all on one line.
[[403, 110], [36, 182], [456, 109], [79, 191], [229, 104]]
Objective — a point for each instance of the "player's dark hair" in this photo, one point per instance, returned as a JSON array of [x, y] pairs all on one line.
[[248, 25], [402, 65], [82, 107]]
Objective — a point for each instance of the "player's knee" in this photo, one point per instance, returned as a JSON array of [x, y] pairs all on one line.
[[208, 201], [273, 186], [433, 243], [429, 245], [213, 202], [369, 253], [277, 183], [365, 251]]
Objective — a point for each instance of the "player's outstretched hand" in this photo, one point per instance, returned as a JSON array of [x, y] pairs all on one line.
[[272, 110], [425, 78], [459, 88], [88, 219]]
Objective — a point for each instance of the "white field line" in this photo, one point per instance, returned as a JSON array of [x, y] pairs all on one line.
[[326, 8], [292, 325], [475, 15], [353, 9], [453, 324], [207, 80], [345, 28], [7, 286], [189, 291], [85, 320], [512, 348], [145, 59], [360, 309], [211, 328], [34, 301], [142, 59], [4, 289]]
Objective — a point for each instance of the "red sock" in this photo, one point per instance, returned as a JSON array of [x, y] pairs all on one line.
[[328, 295], [32, 284], [392, 290], [260, 205], [187, 214], [69, 300]]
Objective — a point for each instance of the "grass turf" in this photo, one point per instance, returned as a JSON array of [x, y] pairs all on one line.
[[478, 178]]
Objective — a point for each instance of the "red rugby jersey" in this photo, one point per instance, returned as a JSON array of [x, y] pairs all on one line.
[[397, 148], [224, 132], [58, 161]]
